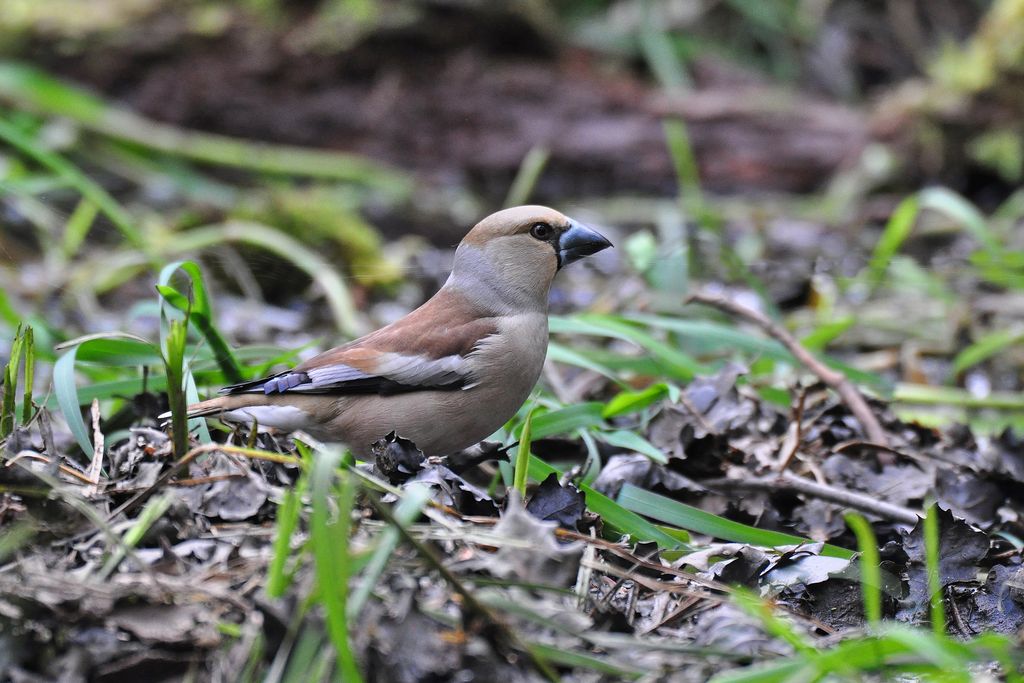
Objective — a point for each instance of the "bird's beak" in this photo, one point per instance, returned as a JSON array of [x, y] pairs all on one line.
[[579, 241]]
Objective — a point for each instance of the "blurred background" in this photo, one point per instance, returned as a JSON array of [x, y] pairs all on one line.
[[850, 166], [198, 192]]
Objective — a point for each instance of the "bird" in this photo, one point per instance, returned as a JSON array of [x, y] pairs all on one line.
[[448, 374]]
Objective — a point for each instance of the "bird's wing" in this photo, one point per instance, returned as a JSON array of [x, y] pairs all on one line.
[[412, 355]]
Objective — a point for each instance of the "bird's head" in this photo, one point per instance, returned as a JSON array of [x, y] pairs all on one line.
[[514, 254]]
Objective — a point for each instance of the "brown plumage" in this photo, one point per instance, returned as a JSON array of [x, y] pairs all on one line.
[[449, 373]]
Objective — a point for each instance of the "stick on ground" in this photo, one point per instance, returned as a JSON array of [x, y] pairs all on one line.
[[837, 381]]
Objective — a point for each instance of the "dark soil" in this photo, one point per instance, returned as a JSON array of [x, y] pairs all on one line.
[[461, 97]]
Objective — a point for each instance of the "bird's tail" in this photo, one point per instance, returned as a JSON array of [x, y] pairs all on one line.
[[221, 404]]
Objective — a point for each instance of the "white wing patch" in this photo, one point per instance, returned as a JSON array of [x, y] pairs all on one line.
[[412, 371], [285, 418]]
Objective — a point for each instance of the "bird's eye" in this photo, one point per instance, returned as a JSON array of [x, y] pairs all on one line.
[[541, 231]]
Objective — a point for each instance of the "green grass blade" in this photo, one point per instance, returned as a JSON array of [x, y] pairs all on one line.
[[870, 571], [926, 394], [332, 555], [939, 651], [693, 519], [825, 334], [200, 313], [10, 384], [772, 672], [197, 424], [122, 388], [583, 660], [287, 521], [153, 511], [560, 353], [174, 368], [963, 212], [34, 89], [634, 442], [29, 364], [613, 514], [305, 259], [66, 391], [897, 229], [782, 629], [984, 348], [527, 176], [566, 420], [414, 498], [685, 163], [114, 349], [523, 455], [78, 225], [16, 535], [705, 336], [74, 177], [626, 402], [670, 360], [935, 592]]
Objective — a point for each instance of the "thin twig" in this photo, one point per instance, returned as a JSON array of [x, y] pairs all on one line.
[[685, 402], [798, 427], [496, 627], [96, 466], [836, 380], [32, 455], [786, 481]]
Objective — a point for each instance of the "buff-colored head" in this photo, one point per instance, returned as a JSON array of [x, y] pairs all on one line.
[[515, 253]]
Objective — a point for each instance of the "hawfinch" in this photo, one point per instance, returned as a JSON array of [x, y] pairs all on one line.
[[448, 374]]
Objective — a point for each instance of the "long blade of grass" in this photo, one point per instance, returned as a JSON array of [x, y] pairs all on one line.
[[782, 629], [153, 511], [925, 394], [522, 458], [174, 368], [34, 89], [78, 225], [527, 176], [984, 348], [414, 498], [897, 229], [9, 384], [29, 366], [124, 388], [75, 178], [566, 420], [201, 313], [633, 401], [583, 660], [694, 519], [671, 361], [115, 349], [705, 336], [561, 353], [332, 554], [613, 514], [935, 589], [870, 572], [316, 267], [957, 208], [630, 440], [772, 672], [287, 521], [66, 391]]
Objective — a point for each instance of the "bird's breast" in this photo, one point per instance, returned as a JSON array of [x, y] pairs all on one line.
[[510, 361]]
